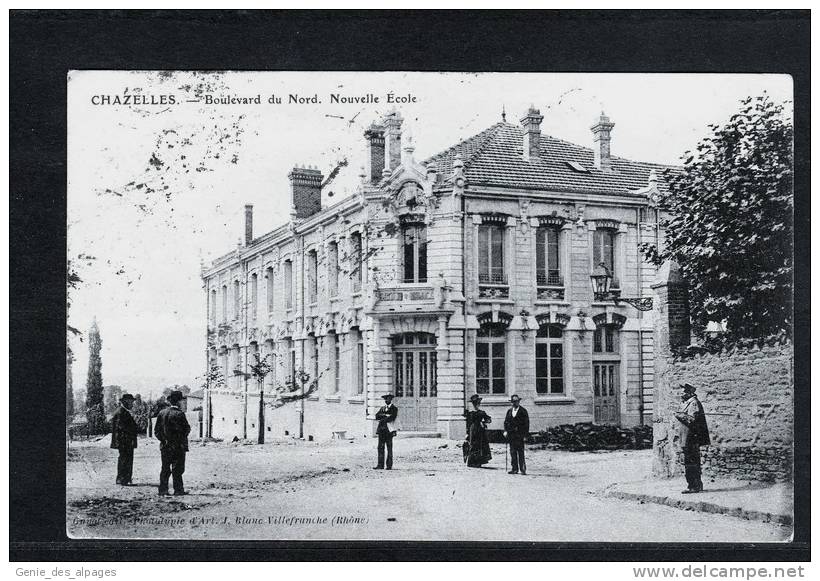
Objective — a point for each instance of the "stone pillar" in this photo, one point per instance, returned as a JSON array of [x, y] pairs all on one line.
[[671, 330]]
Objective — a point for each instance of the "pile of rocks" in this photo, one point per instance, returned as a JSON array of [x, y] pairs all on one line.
[[587, 436]]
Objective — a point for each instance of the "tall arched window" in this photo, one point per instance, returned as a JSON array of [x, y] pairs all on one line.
[[254, 295], [549, 360], [312, 276], [269, 288], [491, 254], [224, 303], [213, 307], [333, 269], [237, 299], [288, 284], [357, 265], [414, 252], [547, 267], [360, 363], [490, 359]]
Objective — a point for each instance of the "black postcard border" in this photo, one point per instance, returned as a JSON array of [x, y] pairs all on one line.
[[45, 45]]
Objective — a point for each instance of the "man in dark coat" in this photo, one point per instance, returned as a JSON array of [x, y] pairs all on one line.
[[694, 433], [516, 430], [172, 431], [385, 431], [124, 438]]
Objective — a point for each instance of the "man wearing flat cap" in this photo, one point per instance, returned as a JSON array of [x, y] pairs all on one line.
[[694, 433], [386, 416], [516, 430], [124, 438], [172, 431]]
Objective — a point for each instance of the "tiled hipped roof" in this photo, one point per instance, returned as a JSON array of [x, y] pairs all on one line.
[[495, 157]]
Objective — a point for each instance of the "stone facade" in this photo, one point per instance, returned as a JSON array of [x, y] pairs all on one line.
[[747, 393], [427, 284]]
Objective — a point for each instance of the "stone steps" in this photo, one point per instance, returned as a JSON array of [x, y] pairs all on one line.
[[409, 434]]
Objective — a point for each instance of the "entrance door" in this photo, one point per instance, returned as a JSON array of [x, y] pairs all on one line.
[[605, 391], [414, 380]]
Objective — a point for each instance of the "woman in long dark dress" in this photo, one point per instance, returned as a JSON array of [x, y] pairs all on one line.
[[477, 447]]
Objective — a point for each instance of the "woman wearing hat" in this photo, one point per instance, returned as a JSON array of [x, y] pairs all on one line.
[[476, 448]]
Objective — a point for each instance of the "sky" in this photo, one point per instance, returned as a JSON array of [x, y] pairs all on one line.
[[157, 187]]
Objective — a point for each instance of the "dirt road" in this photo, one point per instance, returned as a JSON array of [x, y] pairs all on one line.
[[314, 491]]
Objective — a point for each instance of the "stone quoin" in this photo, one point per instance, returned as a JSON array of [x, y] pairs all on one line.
[[468, 272]]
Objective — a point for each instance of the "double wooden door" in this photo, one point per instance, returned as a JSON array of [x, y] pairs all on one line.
[[414, 380]]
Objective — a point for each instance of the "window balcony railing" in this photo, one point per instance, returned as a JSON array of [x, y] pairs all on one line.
[[421, 294], [551, 278], [550, 286], [492, 278], [493, 286]]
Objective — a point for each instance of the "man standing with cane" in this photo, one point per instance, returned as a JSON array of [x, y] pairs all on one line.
[[694, 434], [516, 430]]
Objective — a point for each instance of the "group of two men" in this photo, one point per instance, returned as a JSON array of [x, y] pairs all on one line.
[[171, 430], [516, 430]]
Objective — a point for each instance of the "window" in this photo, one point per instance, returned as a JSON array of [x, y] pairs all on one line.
[[226, 375], [360, 371], [288, 282], [315, 359], [270, 379], [252, 358], [292, 365], [224, 303], [547, 263], [491, 254], [312, 282], [414, 244], [490, 352], [254, 294], [237, 300], [213, 307], [549, 360], [603, 249], [333, 269], [269, 289], [604, 340], [337, 376], [357, 261]]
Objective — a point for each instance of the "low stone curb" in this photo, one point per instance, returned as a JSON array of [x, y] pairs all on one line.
[[701, 506]]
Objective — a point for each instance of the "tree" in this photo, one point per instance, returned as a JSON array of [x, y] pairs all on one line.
[[95, 413], [260, 368], [297, 388], [141, 412], [728, 222]]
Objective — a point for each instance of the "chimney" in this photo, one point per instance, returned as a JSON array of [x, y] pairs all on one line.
[[306, 191], [532, 133], [601, 136], [374, 135], [392, 138], [248, 224]]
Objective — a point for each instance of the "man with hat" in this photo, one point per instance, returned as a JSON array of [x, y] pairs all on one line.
[[172, 431], [694, 433], [385, 431], [516, 430], [124, 438]]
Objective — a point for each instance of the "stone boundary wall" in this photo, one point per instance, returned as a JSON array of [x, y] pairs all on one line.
[[747, 394]]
